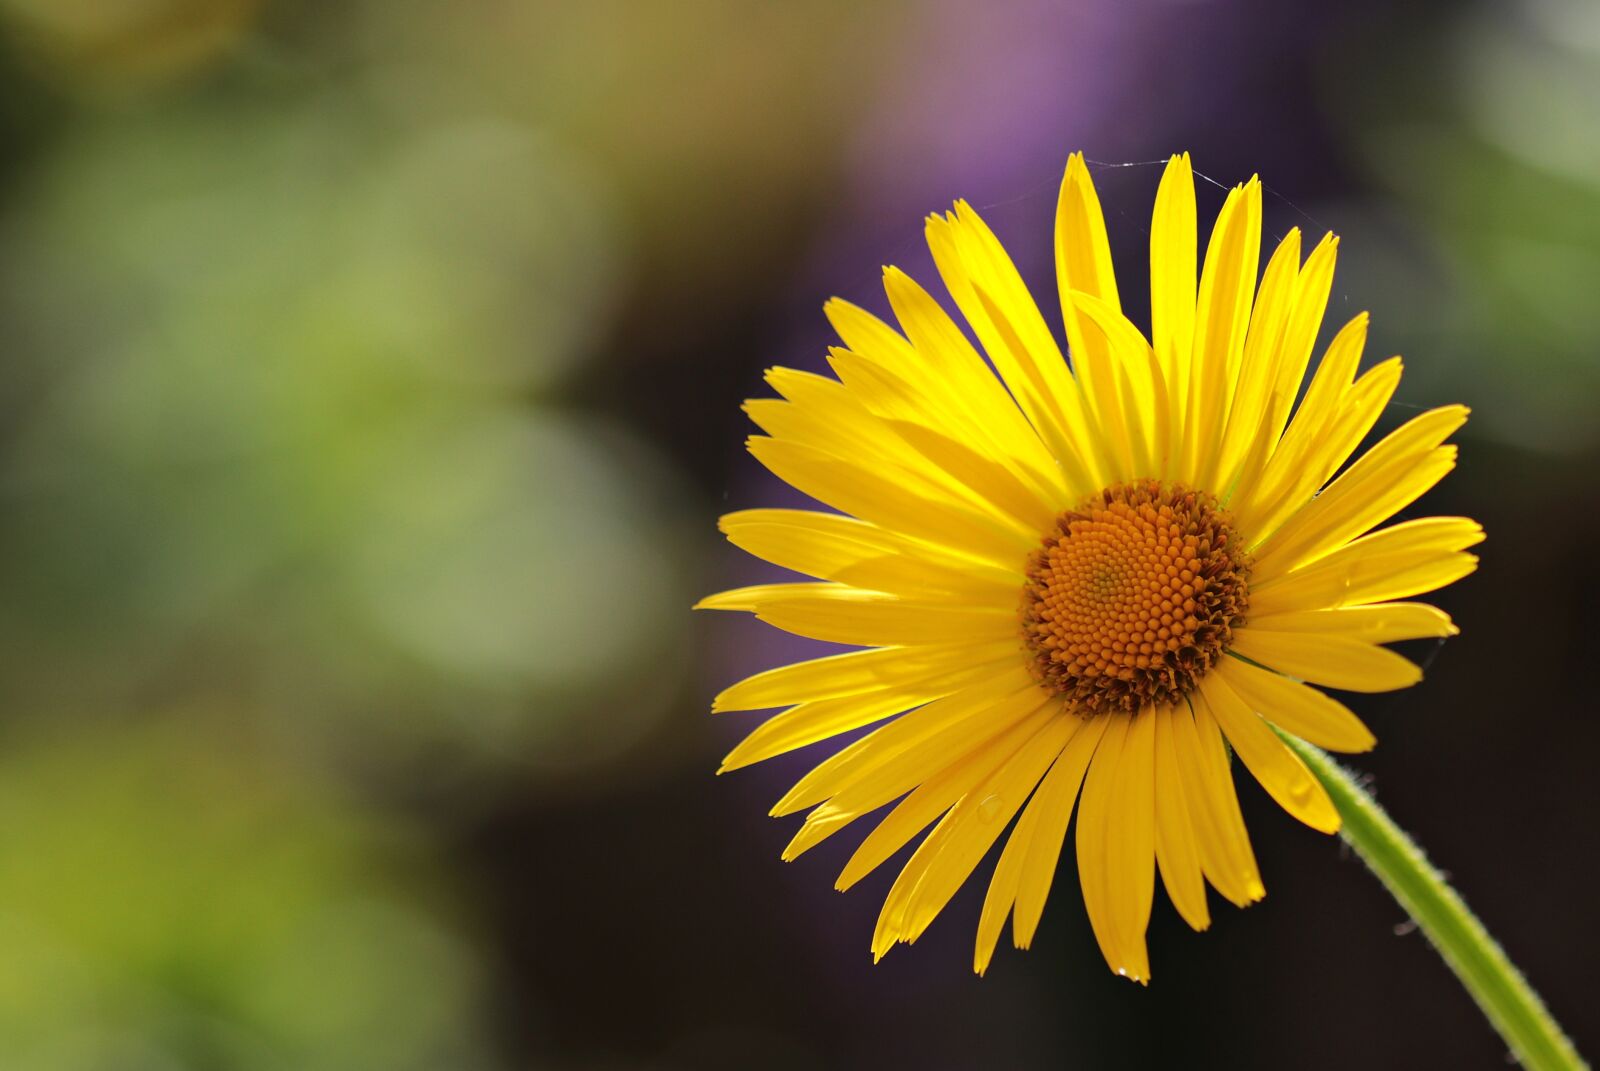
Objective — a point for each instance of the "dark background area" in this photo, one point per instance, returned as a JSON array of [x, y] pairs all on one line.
[[370, 391]]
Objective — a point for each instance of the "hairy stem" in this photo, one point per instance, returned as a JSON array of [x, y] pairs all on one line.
[[1510, 1003]]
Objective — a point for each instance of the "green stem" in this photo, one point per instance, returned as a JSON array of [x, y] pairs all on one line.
[[1512, 1006]]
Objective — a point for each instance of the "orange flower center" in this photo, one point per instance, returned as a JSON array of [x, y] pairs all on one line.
[[1133, 597]]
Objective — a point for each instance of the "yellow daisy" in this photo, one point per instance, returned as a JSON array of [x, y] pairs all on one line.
[[1086, 584]]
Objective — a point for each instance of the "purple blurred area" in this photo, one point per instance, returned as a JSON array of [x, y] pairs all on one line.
[[372, 389]]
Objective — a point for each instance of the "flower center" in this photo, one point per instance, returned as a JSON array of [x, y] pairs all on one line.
[[1133, 597]]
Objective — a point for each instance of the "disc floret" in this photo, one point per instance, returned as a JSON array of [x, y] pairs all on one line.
[[1133, 597]]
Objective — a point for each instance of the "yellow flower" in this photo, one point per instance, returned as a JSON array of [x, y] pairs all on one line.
[[1089, 584]]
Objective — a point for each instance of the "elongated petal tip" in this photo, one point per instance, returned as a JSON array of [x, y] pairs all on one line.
[[720, 601]]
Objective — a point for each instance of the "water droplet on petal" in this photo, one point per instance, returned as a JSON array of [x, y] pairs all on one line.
[[989, 808]]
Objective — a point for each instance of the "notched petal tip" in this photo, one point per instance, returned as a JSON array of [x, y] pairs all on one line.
[[1123, 972], [1362, 747]]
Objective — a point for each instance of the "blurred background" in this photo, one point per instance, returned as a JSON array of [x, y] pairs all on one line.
[[370, 387]]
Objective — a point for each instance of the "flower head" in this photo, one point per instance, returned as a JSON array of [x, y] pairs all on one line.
[[1082, 586]]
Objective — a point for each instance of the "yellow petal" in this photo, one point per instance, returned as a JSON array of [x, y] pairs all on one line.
[[947, 858], [1146, 420], [1095, 831], [865, 334], [843, 428], [1083, 265], [1331, 661], [930, 749], [991, 294], [1389, 477], [752, 598], [1131, 853], [877, 497], [1310, 300], [1269, 759], [850, 551], [1423, 535], [1258, 371], [1055, 803], [820, 719], [895, 399], [896, 757], [1360, 579], [1222, 317], [1223, 842], [1335, 373], [850, 434], [1083, 250], [873, 619], [850, 674], [1358, 411], [1174, 249], [989, 481], [1290, 478], [1176, 853], [1402, 560], [928, 802], [937, 340], [1303, 711], [892, 378], [1388, 622], [1288, 486]]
